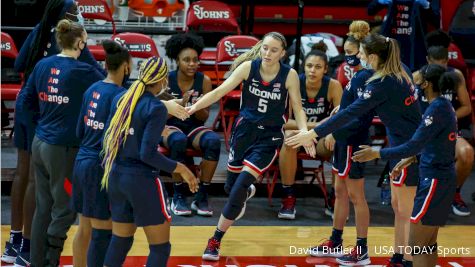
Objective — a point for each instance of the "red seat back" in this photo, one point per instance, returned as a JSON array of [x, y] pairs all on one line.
[[211, 16], [8, 48], [139, 45], [230, 47], [96, 9], [344, 73], [154, 8]]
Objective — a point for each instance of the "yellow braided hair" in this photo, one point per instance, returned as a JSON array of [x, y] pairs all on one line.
[[152, 71]]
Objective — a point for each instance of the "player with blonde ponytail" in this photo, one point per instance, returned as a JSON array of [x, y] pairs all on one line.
[[132, 163]]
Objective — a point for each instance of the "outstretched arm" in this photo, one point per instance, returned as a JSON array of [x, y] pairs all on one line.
[[240, 74]]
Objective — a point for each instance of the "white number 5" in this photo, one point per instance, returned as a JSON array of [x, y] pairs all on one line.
[[262, 105]]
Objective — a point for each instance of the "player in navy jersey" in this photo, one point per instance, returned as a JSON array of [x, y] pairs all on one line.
[[258, 130], [40, 43], [350, 182], [187, 85], [390, 93], [132, 163], [320, 94], [437, 53], [88, 199], [56, 87], [435, 140]]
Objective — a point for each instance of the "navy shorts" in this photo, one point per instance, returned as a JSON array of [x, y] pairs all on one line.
[[433, 200], [137, 198], [254, 146], [409, 176], [24, 128], [88, 198], [343, 165]]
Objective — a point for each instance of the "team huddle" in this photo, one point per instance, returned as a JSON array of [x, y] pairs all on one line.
[[96, 147]]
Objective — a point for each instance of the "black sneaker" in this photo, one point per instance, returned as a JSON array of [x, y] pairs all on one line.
[[179, 206], [212, 250], [327, 248], [201, 206], [356, 257], [23, 259], [287, 209], [11, 252], [459, 207]]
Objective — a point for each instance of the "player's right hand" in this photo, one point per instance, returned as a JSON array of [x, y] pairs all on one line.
[[188, 177]]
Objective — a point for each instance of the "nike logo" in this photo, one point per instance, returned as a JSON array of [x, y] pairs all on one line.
[[275, 139]]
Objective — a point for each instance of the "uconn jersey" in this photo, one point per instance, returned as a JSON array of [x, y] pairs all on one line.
[[265, 103], [318, 107], [175, 91]]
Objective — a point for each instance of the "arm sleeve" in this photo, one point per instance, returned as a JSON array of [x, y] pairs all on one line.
[[20, 61], [87, 57], [31, 95], [374, 96], [431, 124], [151, 139], [80, 124]]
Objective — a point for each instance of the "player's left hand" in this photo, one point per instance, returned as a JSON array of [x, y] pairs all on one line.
[[302, 138], [366, 153]]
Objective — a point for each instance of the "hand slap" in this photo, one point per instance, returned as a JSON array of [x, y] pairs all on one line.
[[366, 153]]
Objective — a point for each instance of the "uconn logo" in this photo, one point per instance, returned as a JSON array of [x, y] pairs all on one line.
[[230, 48], [201, 13]]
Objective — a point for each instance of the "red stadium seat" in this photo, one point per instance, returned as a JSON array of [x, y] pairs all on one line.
[[211, 16], [139, 45], [9, 90], [229, 48], [97, 10], [344, 73], [154, 8]]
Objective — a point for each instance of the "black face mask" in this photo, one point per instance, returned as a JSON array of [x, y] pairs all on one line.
[[352, 60], [125, 80]]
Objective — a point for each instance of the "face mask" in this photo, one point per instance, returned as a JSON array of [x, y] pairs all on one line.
[[352, 60], [79, 18], [365, 64]]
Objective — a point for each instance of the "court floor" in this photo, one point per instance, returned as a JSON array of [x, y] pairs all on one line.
[[287, 246]]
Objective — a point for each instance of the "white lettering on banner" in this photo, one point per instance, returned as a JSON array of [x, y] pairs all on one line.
[[452, 55], [91, 9], [6, 46], [264, 94], [201, 13], [349, 72]]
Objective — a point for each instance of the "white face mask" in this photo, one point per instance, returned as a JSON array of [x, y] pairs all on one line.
[[79, 17], [365, 64]]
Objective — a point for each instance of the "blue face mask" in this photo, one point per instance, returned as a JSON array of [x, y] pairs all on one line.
[[365, 64], [352, 60], [79, 18]]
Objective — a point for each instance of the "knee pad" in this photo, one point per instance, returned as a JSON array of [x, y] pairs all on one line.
[[238, 195], [117, 251], [230, 180], [98, 247], [159, 255], [177, 146], [211, 146]]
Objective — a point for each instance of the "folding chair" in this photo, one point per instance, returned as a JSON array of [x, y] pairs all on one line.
[[190, 153], [99, 11], [229, 48]]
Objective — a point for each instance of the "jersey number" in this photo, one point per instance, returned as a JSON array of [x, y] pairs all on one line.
[[312, 119], [262, 105]]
